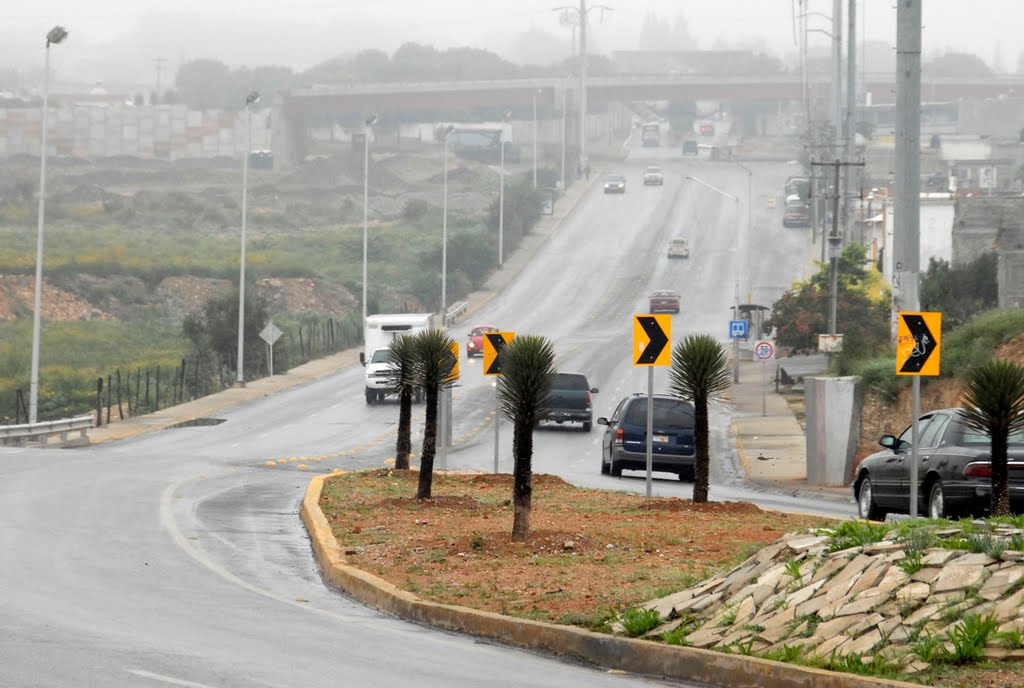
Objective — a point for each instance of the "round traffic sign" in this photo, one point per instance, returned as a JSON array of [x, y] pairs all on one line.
[[764, 351]]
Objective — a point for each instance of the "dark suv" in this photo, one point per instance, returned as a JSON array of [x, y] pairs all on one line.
[[625, 441]]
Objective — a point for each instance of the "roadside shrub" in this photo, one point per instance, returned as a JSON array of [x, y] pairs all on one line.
[[878, 375], [974, 342]]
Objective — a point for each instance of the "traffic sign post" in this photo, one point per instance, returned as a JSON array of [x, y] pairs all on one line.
[[270, 334], [918, 350], [738, 329], [764, 351], [652, 346], [494, 344]]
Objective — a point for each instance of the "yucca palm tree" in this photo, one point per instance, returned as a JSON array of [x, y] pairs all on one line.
[[700, 374], [433, 369], [405, 385], [524, 391], [994, 405]]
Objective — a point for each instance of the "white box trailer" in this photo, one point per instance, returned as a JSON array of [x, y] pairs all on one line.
[[379, 332]]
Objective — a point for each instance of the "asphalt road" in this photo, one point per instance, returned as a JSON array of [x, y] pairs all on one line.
[[177, 558]]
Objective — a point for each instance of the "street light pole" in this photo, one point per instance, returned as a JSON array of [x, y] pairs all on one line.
[[565, 106], [55, 35], [250, 100], [366, 200], [736, 286], [537, 93], [444, 233], [501, 191]]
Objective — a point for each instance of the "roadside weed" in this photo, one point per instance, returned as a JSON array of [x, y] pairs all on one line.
[[789, 653], [991, 545], [969, 637], [635, 622], [793, 569], [855, 534], [1011, 640], [930, 649]]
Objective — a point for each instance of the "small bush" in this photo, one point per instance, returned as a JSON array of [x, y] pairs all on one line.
[[878, 376]]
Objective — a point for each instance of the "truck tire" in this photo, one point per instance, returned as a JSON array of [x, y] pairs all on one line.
[[586, 426], [371, 396]]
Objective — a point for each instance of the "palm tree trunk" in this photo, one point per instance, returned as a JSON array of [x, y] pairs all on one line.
[[429, 445], [522, 489], [1000, 474], [403, 447], [702, 458]]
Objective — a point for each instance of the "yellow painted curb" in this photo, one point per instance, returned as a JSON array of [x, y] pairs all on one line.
[[610, 652]]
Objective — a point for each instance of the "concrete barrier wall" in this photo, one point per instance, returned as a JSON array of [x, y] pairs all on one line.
[[833, 428]]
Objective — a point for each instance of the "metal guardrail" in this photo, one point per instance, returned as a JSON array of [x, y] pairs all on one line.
[[20, 435], [455, 311]]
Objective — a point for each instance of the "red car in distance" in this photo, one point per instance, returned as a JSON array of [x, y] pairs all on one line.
[[475, 345]]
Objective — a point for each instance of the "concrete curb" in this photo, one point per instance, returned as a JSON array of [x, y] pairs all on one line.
[[642, 657]]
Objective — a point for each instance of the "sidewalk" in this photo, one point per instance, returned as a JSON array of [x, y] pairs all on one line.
[[323, 367], [770, 442]]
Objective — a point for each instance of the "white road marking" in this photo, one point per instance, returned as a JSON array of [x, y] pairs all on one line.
[[167, 679]]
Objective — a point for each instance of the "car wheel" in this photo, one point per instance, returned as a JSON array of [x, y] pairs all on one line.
[[866, 507], [371, 396], [937, 501], [586, 426], [616, 469], [604, 466], [686, 475]]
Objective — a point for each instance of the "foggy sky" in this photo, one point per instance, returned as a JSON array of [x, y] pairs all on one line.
[[117, 40]]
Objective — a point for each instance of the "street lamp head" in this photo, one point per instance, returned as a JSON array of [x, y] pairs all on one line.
[[252, 98], [448, 130], [56, 35], [371, 120], [507, 116]]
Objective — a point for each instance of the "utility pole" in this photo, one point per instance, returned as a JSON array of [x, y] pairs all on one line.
[[581, 14], [907, 231], [851, 104], [837, 71], [835, 239], [158, 64]]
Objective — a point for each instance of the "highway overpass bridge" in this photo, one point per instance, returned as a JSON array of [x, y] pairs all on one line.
[[296, 108]]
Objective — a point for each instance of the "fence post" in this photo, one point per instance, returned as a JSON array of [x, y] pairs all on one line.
[[157, 397], [108, 398], [181, 386], [120, 410], [99, 402], [302, 346], [148, 406], [138, 388]]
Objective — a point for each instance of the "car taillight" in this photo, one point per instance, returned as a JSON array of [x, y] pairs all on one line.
[[588, 399], [619, 435], [978, 469]]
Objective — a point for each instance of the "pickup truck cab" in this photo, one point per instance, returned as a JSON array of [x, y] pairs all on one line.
[[678, 248], [569, 401]]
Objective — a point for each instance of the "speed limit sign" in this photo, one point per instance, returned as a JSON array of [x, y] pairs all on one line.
[[764, 351]]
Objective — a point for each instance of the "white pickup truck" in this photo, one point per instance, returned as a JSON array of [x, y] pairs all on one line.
[[380, 331], [678, 248]]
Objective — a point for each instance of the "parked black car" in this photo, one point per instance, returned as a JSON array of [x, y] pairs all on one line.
[[954, 471], [625, 441]]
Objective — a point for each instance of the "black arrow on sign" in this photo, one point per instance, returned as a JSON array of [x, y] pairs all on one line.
[[924, 343], [498, 343], [657, 342]]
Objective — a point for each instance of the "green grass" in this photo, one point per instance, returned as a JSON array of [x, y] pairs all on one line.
[[636, 622], [855, 534], [975, 341]]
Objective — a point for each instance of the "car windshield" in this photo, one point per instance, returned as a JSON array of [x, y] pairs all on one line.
[[670, 294], [571, 382], [480, 330], [654, 170], [614, 178], [668, 413], [381, 356]]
